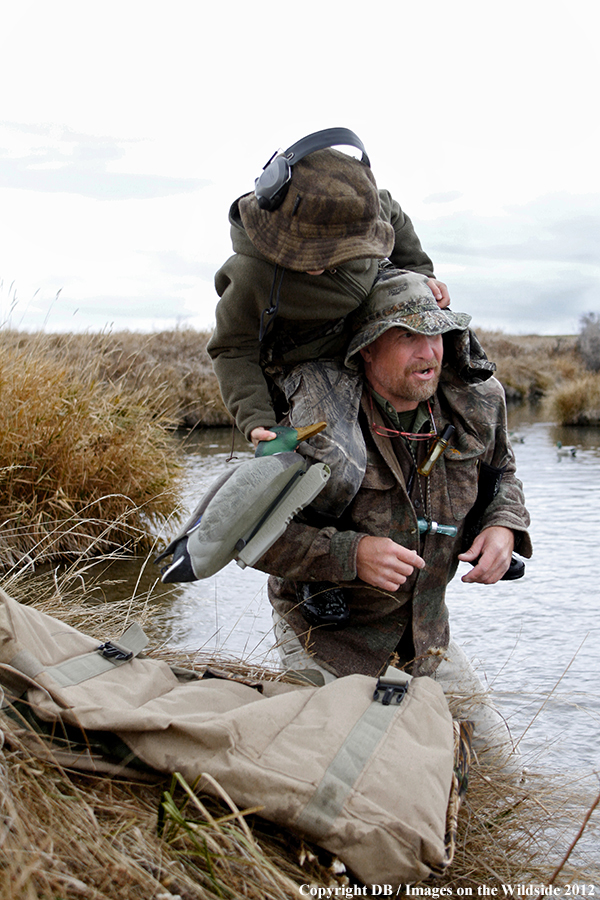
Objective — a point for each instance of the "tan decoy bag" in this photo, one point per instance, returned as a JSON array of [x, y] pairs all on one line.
[[362, 768]]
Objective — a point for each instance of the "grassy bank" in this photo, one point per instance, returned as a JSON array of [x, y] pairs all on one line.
[[174, 370], [171, 369], [68, 835], [86, 462], [530, 367], [548, 369]]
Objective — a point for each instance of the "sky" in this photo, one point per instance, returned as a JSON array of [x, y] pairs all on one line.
[[128, 128]]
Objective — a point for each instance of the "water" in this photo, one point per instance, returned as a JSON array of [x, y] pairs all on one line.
[[535, 640]]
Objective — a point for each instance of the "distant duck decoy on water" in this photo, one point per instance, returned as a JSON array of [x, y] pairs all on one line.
[[565, 451], [245, 510]]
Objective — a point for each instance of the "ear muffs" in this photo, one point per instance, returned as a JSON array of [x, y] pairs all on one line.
[[273, 183]]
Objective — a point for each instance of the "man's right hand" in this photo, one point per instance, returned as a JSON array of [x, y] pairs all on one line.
[[261, 434], [384, 564]]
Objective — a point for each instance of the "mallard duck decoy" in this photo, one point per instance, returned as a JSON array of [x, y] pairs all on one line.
[[242, 514], [565, 451]]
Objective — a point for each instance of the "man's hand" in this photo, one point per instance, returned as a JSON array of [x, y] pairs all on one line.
[[493, 549], [439, 291], [261, 434], [385, 564]]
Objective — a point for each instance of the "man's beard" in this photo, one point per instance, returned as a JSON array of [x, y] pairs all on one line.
[[401, 386]]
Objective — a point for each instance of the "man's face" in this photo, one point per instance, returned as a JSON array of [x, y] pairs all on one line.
[[404, 367]]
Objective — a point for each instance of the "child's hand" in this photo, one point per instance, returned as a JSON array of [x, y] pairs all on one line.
[[261, 434], [439, 291]]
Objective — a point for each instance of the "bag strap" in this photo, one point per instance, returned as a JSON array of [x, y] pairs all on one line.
[[318, 816], [73, 671]]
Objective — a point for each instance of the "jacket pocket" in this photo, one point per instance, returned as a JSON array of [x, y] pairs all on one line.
[[372, 507], [377, 478], [461, 482]]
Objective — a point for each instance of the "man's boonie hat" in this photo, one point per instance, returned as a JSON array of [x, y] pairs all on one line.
[[400, 299], [330, 215]]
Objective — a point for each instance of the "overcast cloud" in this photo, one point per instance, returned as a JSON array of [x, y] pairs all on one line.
[[536, 266], [128, 130]]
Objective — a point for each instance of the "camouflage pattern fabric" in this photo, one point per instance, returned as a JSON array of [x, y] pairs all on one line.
[[463, 736], [313, 551], [400, 299], [325, 391]]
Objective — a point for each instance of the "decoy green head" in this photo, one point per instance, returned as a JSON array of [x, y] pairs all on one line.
[[287, 438]]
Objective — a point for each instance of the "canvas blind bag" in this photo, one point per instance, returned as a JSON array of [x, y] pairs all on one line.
[[367, 780]]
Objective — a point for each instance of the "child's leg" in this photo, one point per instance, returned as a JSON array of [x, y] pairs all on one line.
[[322, 390]]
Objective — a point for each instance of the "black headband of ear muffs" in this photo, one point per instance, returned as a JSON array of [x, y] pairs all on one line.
[[272, 184]]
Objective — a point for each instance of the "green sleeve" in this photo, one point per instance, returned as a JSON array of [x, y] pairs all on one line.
[[408, 252], [235, 347]]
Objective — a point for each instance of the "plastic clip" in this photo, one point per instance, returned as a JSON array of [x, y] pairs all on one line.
[[390, 690], [111, 650]]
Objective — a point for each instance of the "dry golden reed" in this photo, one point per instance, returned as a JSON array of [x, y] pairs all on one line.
[[174, 369], [528, 366], [576, 402], [171, 367], [86, 464], [551, 369]]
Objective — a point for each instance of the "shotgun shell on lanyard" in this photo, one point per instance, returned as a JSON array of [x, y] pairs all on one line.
[[436, 451]]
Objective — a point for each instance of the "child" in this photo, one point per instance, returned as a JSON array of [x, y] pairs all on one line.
[[297, 273], [286, 295]]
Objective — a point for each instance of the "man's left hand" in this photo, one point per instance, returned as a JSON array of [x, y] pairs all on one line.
[[440, 292], [492, 548]]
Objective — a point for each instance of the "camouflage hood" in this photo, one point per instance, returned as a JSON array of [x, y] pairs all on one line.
[[400, 299]]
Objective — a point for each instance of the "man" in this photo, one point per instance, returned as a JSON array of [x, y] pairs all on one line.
[[388, 551]]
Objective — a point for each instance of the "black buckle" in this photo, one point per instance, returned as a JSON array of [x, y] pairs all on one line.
[[390, 690], [113, 651]]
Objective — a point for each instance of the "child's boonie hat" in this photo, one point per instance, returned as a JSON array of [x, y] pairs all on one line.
[[330, 215], [400, 299]]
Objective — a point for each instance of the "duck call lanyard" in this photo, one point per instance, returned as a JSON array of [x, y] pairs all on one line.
[[268, 315], [438, 446]]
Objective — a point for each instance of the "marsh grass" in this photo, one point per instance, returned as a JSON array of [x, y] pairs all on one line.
[[553, 370], [86, 463], [576, 402], [171, 369], [69, 835], [529, 366], [175, 365]]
